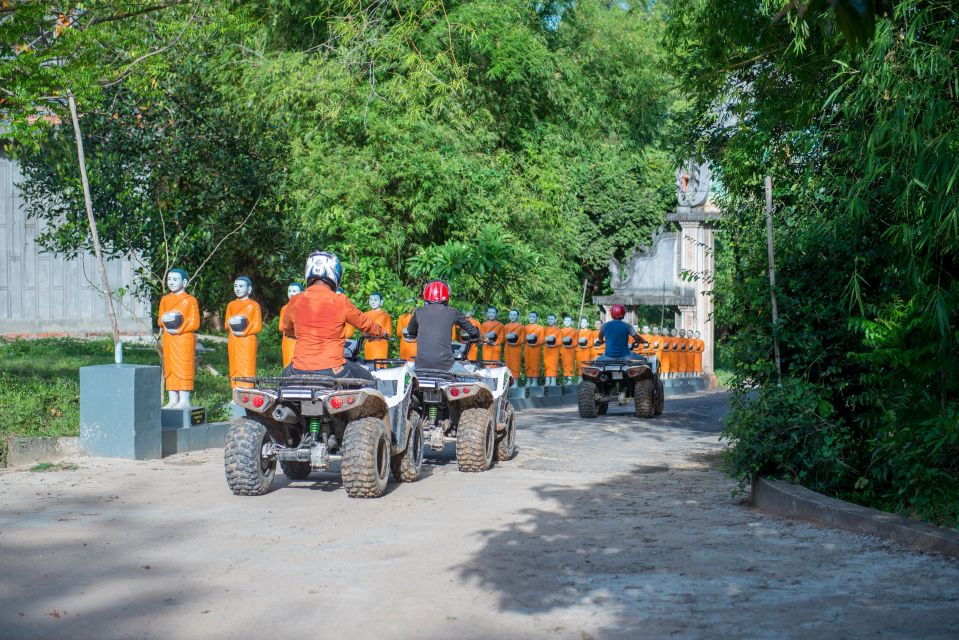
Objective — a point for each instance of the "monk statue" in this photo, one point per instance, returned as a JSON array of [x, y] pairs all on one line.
[[287, 344], [244, 319], [178, 318]]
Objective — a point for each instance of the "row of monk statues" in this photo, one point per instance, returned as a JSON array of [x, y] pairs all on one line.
[[531, 349]]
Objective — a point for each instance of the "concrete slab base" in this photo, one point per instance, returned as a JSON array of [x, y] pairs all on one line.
[[207, 436], [799, 503], [182, 418], [24, 451]]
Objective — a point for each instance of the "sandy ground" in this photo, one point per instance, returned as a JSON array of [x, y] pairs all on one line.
[[607, 528]]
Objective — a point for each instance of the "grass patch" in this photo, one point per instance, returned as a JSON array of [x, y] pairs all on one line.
[[54, 466], [41, 380]]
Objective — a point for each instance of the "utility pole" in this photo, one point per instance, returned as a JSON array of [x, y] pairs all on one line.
[[582, 302], [104, 282], [772, 275]]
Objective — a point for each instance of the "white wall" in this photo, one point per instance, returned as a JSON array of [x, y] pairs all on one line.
[[41, 293]]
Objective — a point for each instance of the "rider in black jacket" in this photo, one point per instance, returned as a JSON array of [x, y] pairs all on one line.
[[432, 328]]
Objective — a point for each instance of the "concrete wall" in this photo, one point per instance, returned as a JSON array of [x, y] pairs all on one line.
[[42, 293]]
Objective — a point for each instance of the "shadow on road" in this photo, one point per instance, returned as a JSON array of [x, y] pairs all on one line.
[[653, 553]]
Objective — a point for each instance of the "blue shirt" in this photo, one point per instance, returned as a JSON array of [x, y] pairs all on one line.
[[616, 334]]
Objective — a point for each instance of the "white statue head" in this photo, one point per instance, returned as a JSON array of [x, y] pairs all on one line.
[[567, 322], [532, 317], [491, 313], [645, 328], [682, 333], [673, 333], [513, 315], [242, 287], [376, 300], [583, 323], [597, 324], [176, 280], [696, 335], [294, 288], [551, 319]]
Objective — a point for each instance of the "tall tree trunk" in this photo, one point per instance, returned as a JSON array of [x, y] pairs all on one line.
[[104, 282]]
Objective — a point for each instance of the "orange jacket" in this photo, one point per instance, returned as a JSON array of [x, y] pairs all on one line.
[[317, 319]]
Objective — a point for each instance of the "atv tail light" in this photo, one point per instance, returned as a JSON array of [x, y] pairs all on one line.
[[351, 400], [245, 397], [335, 402], [632, 373], [258, 401], [466, 390], [454, 392], [589, 371]]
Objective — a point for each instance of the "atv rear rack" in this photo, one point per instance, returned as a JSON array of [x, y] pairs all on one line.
[[439, 374], [326, 382]]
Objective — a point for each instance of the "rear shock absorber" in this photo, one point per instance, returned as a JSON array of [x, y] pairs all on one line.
[[431, 412], [315, 428]]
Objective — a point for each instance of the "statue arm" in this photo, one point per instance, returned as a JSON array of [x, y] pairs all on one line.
[[191, 319], [256, 320]]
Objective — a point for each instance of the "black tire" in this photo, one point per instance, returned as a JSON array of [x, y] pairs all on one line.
[[295, 470], [602, 408], [407, 466], [661, 400], [643, 399], [366, 458], [475, 440], [506, 443], [586, 399], [247, 474]]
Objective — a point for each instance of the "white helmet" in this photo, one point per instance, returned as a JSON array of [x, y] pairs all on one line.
[[323, 265]]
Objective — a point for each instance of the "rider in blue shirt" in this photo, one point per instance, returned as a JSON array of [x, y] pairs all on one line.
[[616, 335]]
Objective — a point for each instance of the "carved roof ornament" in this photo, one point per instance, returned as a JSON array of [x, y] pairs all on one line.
[[693, 181]]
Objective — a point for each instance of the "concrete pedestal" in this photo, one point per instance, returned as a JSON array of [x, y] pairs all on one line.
[[534, 392], [182, 418], [553, 390], [120, 411]]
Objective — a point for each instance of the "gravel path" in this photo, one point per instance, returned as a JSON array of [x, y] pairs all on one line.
[[607, 528]]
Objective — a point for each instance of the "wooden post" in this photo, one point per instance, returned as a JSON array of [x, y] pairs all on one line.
[[582, 303], [772, 274], [104, 282]]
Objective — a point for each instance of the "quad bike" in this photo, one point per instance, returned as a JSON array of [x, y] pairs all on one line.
[[620, 381], [304, 422], [471, 409]]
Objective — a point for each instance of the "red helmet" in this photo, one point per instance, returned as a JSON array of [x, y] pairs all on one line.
[[436, 291], [618, 311]]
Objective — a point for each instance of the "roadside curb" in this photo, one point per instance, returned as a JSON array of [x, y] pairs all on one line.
[[799, 503]]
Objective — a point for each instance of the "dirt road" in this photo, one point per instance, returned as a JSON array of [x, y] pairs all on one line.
[[608, 528]]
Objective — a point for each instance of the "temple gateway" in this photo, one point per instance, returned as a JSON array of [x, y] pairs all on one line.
[[676, 270]]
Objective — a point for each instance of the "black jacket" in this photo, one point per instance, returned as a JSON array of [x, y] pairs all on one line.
[[432, 326]]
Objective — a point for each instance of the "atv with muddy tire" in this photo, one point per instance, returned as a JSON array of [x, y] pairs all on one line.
[[469, 408], [620, 381], [305, 422]]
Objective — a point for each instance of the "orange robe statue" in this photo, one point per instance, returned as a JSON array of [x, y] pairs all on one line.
[[407, 349], [179, 349], [241, 344], [533, 354], [473, 353], [378, 349], [493, 351], [513, 352], [567, 352], [551, 352], [584, 345]]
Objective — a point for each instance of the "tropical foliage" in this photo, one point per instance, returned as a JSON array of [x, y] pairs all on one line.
[[507, 146], [862, 144]]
